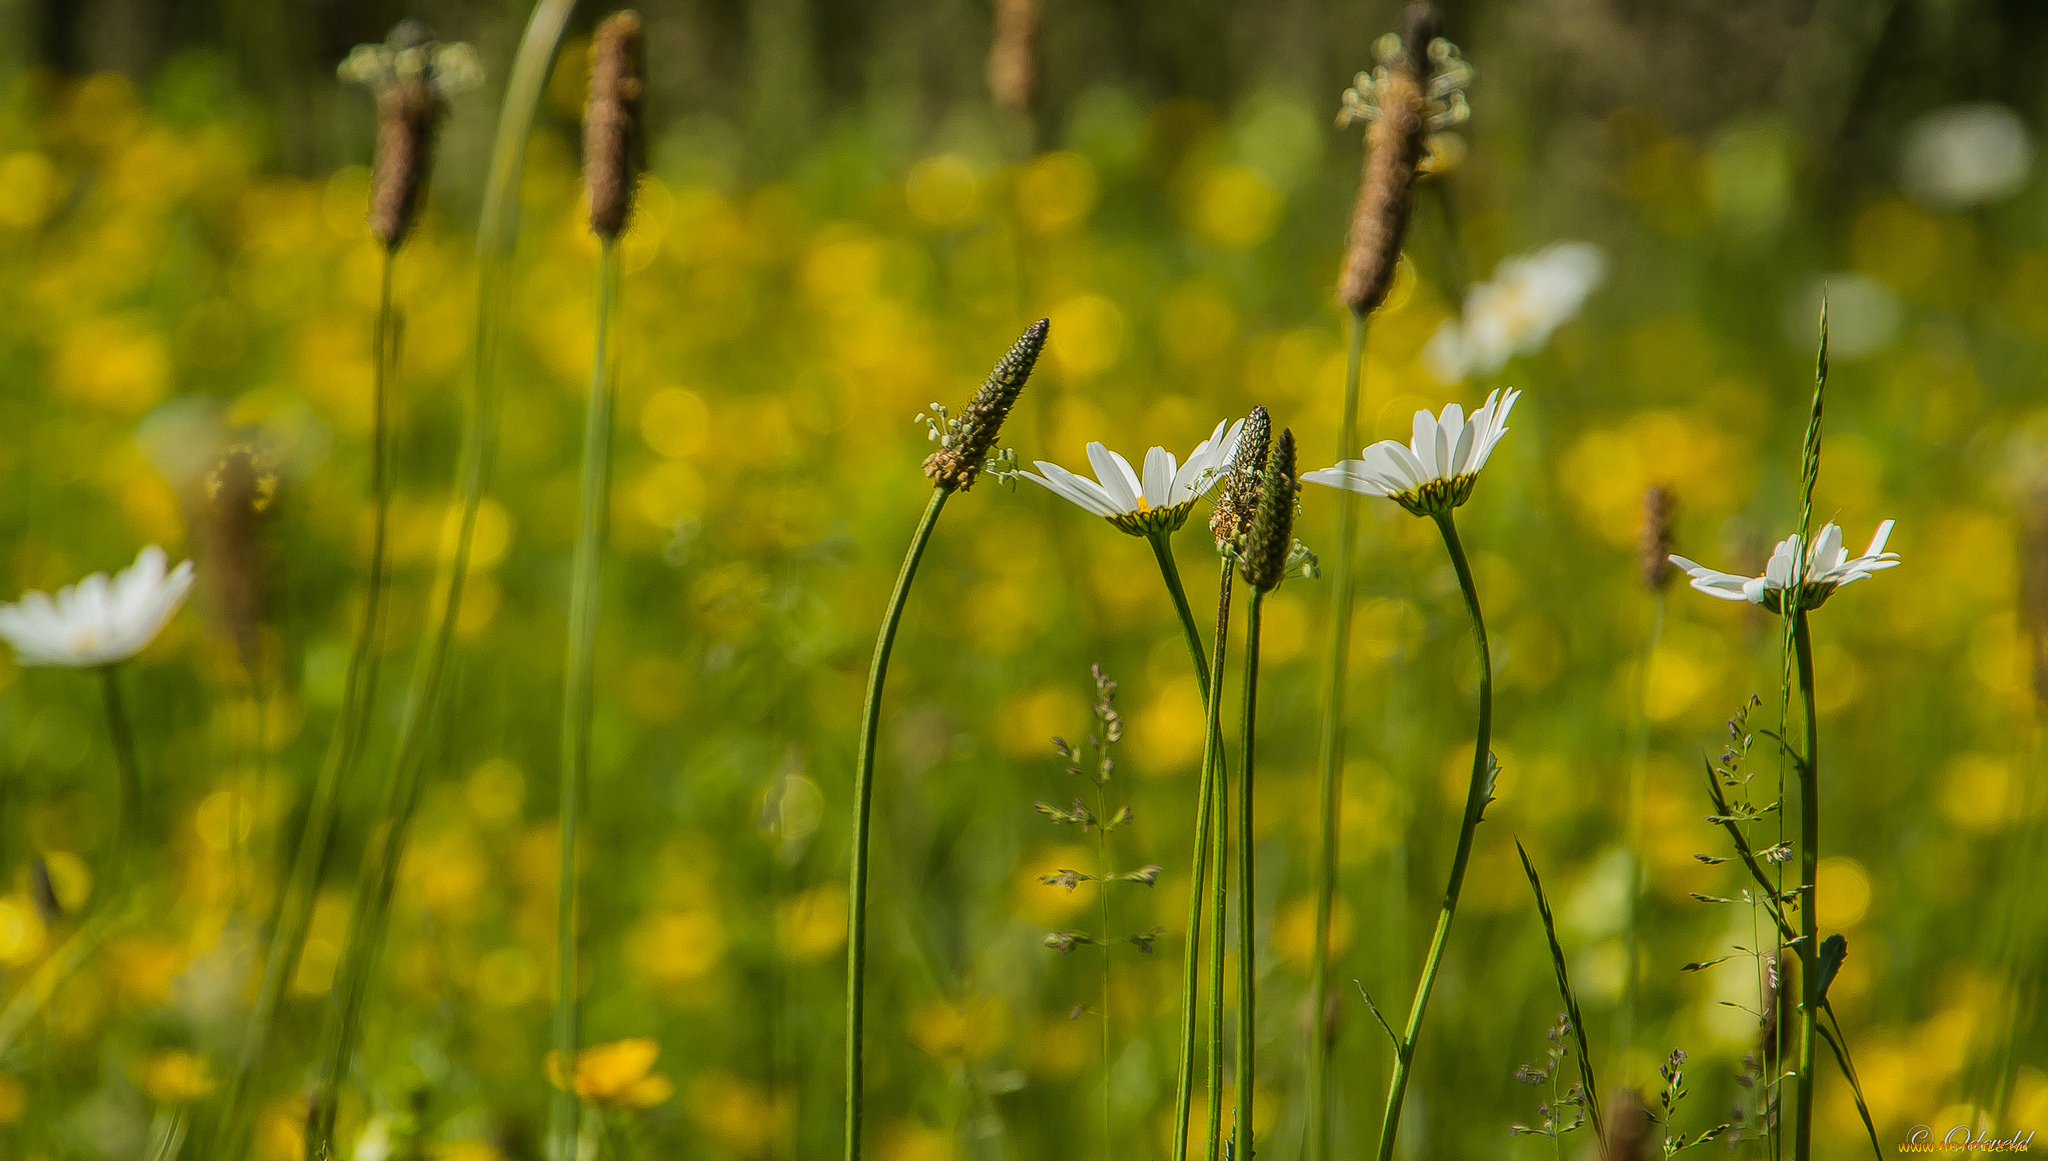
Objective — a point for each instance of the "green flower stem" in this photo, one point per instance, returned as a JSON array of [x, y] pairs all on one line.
[[1638, 767], [1476, 796], [585, 598], [497, 232], [1191, 958], [1330, 778], [1219, 862], [1162, 547], [127, 785], [344, 746], [863, 800], [1242, 1134], [1809, 861]]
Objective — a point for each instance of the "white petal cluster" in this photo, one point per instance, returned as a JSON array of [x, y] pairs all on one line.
[[1828, 567], [1436, 471], [1530, 296], [97, 621], [1160, 499]]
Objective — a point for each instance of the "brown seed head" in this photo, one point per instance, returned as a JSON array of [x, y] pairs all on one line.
[[1263, 563], [1653, 545], [407, 115], [1396, 144], [971, 437], [1012, 53], [240, 492], [611, 124], [1628, 1128], [1238, 497]]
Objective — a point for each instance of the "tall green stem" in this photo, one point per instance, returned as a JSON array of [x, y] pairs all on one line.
[[1162, 548], [585, 598], [497, 231], [1219, 864], [1330, 779], [863, 800], [1809, 862], [344, 745], [127, 785], [1245, 945], [1476, 796], [1638, 772], [1191, 956]]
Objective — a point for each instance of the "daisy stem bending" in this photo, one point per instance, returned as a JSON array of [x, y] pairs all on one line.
[[127, 785], [1476, 796], [863, 799], [351, 724], [1330, 779], [497, 232], [1809, 861], [585, 596], [1191, 957], [1162, 547], [1245, 973]]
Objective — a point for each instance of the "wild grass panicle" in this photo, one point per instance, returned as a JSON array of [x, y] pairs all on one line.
[[966, 442], [1565, 1110], [412, 75], [1653, 543], [613, 147], [1269, 542], [1238, 497], [1417, 89]]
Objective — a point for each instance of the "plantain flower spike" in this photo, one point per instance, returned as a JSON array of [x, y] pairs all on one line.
[[1270, 542], [611, 124], [1417, 90], [965, 442], [413, 75], [1238, 499]]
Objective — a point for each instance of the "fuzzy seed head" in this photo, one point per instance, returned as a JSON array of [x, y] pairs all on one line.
[[1653, 545], [1263, 562], [1397, 143], [967, 445], [413, 75], [611, 124], [1238, 497], [1012, 53]]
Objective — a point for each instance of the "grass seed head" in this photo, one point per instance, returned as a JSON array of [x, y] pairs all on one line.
[[1653, 545], [1264, 560], [967, 441], [1238, 496], [611, 124]]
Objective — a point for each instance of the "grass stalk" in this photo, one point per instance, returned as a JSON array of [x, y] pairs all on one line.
[[1330, 775], [1219, 867], [1246, 991], [863, 801], [1809, 862], [1191, 957], [497, 232], [344, 746], [1477, 795], [585, 599], [1638, 776]]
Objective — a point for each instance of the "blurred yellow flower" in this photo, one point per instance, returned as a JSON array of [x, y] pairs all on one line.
[[1234, 207], [174, 1076], [812, 925], [961, 1031], [13, 1098], [678, 947], [742, 1115], [1087, 336], [619, 1074], [943, 191], [1055, 192], [911, 1141], [22, 936]]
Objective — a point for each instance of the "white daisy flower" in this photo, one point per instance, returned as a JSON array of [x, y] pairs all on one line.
[[1436, 471], [1828, 567], [1530, 296], [97, 621], [1156, 502]]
